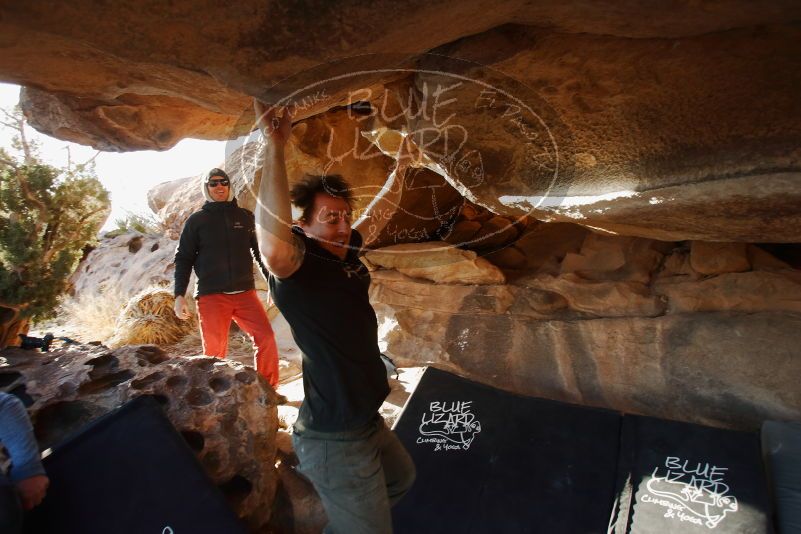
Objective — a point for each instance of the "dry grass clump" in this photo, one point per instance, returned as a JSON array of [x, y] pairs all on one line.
[[148, 317], [89, 317]]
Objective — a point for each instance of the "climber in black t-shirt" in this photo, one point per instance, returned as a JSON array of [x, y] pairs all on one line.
[[357, 465]]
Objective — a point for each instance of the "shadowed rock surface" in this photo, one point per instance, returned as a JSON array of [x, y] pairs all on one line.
[[672, 124], [616, 322]]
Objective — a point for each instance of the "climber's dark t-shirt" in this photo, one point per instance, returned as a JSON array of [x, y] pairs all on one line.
[[326, 304]]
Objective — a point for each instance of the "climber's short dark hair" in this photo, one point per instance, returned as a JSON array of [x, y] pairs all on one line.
[[303, 192]]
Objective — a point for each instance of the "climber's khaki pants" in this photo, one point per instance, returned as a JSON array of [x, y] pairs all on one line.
[[359, 475]]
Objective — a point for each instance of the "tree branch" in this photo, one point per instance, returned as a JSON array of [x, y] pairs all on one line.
[[9, 163], [9, 116], [90, 160], [16, 307], [9, 125], [26, 147], [26, 191]]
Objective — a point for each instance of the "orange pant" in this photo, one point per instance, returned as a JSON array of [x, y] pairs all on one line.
[[217, 310]]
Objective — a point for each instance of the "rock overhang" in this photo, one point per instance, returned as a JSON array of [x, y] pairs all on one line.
[[677, 125]]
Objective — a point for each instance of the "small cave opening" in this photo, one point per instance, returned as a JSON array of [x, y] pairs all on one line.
[[106, 382], [194, 439], [245, 377], [220, 384], [176, 381], [236, 490], [135, 244], [789, 253], [362, 107], [153, 354], [142, 383], [199, 397], [101, 364]]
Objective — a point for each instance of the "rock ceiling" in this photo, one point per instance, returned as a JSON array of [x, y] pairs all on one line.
[[673, 123]]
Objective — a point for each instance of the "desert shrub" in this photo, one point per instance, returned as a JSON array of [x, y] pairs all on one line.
[[148, 317], [47, 217], [90, 317], [144, 223]]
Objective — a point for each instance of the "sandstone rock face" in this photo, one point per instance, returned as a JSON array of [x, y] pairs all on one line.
[[615, 116], [719, 258], [731, 370], [436, 261], [570, 157], [619, 322], [224, 410], [174, 201], [126, 264], [414, 205]]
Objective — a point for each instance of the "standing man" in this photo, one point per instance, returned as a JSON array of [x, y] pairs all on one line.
[[358, 466], [219, 241]]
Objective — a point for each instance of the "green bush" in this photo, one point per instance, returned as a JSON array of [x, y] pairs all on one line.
[[47, 217]]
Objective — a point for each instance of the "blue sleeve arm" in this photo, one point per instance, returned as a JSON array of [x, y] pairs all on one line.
[[16, 433]]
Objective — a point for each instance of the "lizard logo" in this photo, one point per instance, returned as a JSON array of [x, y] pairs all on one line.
[[449, 425]]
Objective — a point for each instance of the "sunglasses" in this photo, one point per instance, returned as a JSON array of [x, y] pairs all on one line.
[[215, 183]]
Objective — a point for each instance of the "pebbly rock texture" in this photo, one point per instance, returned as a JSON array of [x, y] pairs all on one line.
[[224, 410], [618, 322], [126, 264]]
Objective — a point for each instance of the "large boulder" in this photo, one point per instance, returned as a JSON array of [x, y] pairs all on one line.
[[225, 411], [174, 201]]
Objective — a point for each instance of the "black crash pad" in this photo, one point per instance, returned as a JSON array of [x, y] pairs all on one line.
[[491, 461], [680, 478], [781, 450], [130, 472]]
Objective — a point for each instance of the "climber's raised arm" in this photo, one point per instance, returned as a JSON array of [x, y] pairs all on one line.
[[281, 251]]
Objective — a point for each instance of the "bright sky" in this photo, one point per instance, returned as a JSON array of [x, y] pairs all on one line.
[[128, 176]]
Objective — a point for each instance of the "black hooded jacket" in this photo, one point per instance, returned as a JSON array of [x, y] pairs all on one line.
[[219, 241]]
